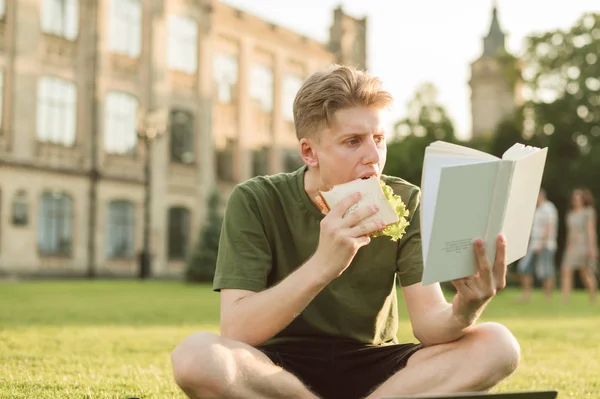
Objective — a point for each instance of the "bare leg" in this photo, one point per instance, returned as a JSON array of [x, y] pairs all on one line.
[[526, 283], [548, 288], [478, 361], [566, 283], [588, 278], [206, 365]]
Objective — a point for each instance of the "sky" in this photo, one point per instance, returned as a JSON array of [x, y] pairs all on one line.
[[411, 42]]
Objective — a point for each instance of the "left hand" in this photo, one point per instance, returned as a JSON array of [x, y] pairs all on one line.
[[473, 292]]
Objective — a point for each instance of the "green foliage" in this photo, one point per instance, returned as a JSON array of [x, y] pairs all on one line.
[[426, 122], [561, 74], [203, 260]]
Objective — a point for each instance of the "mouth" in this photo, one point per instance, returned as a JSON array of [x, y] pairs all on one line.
[[367, 176]]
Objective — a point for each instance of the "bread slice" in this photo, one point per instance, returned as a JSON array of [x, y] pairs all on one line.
[[372, 193]]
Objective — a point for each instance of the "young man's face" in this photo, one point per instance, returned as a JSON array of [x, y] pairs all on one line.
[[352, 148]]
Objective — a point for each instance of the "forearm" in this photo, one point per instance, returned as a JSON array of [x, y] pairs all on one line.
[[593, 239], [441, 325], [258, 317]]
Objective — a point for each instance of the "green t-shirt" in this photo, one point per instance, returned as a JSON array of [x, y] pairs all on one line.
[[271, 227]]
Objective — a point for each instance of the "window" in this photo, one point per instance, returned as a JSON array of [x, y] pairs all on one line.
[[261, 86], [179, 232], [120, 114], [260, 161], [60, 18], [2, 8], [120, 229], [291, 85], [55, 232], [182, 136], [182, 42], [224, 161], [225, 75], [20, 209], [125, 28], [56, 111]]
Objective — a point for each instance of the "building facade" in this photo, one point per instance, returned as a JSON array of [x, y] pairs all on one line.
[[75, 74], [494, 94]]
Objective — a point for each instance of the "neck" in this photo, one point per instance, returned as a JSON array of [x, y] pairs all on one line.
[[313, 183]]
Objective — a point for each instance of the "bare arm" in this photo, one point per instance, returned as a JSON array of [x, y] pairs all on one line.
[[435, 321], [591, 226], [254, 318], [432, 318]]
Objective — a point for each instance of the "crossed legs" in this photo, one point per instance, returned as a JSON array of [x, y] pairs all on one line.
[[208, 366]]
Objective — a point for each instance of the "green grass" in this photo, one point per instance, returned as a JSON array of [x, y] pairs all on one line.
[[110, 339]]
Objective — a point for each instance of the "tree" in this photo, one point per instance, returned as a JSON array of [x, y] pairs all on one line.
[[561, 85], [426, 121], [203, 260]]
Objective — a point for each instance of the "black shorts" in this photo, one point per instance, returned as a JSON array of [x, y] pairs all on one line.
[[340, 370]]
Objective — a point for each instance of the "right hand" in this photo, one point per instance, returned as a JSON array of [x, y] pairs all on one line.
[[342, 236]]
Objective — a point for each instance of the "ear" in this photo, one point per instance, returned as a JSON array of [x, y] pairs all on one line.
[[308, 152]]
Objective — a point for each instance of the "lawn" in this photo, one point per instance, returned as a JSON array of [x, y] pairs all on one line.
[[110, 339]]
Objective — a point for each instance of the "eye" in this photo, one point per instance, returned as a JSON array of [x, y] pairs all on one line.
[[379, 139], [352, 142]]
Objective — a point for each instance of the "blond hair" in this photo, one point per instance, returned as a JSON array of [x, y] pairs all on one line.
[[330, 90]]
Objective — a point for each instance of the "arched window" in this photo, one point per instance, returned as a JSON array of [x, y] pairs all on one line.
[[20, 209], [120, 229], [55, 231], [120, 135], [182, 136], [179, 232]]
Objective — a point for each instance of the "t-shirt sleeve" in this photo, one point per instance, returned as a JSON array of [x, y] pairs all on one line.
[[410, 257], [244, 259]]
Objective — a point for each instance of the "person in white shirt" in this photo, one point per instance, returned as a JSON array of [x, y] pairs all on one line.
[[540, 257]]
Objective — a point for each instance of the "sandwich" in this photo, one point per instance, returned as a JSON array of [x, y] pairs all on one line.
[[374, 191]]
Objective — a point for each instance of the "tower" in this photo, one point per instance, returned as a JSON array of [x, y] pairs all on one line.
[[492, 82], [348, 39]]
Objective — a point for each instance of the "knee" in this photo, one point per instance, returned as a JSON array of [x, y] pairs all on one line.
[[500, 349], [196, 363]]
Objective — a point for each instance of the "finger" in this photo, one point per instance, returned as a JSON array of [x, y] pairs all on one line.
[[483, 264], [460, 284], [340, 209], [359, 215], [365, 229], [500, 263]]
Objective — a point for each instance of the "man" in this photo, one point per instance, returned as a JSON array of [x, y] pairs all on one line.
[[540, 257], [308, 301]]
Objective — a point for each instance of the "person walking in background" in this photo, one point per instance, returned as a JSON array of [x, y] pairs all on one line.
[[581, 250], [540, 257]]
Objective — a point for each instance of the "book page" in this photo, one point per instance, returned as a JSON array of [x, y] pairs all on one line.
[[521, 203], [459, 217], [444, 148], [517, 151], [432, 167]]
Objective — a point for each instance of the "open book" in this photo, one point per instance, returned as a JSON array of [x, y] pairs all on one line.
[[468, 194]]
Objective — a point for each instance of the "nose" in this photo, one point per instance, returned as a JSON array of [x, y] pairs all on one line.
[[372, 155]]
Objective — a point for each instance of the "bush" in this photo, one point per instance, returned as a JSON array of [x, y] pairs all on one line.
[[203, 260]]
